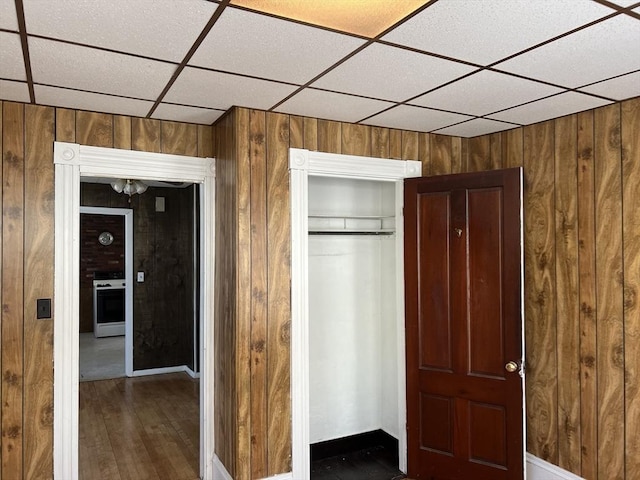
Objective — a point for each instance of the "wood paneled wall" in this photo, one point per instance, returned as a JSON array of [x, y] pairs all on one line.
[[582, 276], [27, 246]]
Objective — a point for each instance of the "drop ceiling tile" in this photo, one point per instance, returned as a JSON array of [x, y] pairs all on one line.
[[475, 127], [551, 107], [95, 102], [601, 51], [11, 59], [14, 91], [390, 73], [179, 113], [276, 49], [141, 27], [485, 31], [624, 3], [8, 18], [331, 106], [204, 88], [619, 88], [84, 68], [362, 17], [485, 92], [419, 119]]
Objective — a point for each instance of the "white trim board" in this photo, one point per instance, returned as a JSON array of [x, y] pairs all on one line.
[[73, 161], [303, 163], [538, 469]]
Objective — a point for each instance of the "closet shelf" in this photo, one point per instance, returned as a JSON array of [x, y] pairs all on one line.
[[357, 224]]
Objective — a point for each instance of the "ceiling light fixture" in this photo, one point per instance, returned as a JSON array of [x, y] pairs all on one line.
[[128, 186]]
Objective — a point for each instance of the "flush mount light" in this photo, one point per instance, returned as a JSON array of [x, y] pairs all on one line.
[[128, 186]]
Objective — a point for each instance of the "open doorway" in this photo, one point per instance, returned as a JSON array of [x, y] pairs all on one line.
[[72, 162]]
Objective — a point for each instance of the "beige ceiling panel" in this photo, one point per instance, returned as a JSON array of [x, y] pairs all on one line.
[[179, 113], [8, 17], [11, 58], [419, 119], [95, 102], [14, 91], [476, 127], [619, 88]]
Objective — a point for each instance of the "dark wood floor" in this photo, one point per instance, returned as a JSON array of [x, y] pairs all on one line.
[[377, 463], [143, 428]]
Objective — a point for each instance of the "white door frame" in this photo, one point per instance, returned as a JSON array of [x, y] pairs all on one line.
[[127, 213], [303, 163], [73, 161]]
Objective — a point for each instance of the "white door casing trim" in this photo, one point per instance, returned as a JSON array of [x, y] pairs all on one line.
[[303, 163], [73, 161]]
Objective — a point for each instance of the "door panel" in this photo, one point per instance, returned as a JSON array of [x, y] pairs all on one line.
[[463, 290]]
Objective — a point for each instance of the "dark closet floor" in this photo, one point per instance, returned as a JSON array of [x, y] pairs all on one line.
[[377, 463]]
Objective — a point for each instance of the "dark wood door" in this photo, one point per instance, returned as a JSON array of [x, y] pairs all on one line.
[[463, 285]]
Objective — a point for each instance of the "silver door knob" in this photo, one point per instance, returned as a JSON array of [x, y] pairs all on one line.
[[511, 367]]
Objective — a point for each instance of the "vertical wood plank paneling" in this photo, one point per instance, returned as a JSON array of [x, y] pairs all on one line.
[[424, 153], [205, 141], [356, 139], [567, 307], [496, 151], [609, 298], [512, 146], [259, 292], [329, 136], [65, 125], [95, 129], [145, 134], [479, 158], [409, 145], [395, 144], [379, 142], [310, 134], [296, 131], [179, 138], [459, 154], [630, 142], [540, 307], [440, 154], [587, 296], [244, 295], [38, 274], [12, 289], [279, 301], [122, 132]]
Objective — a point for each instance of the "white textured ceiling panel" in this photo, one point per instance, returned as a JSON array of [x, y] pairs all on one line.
[[484, 31], [204, 88], [475, 127], [11, 59], [61, 97], [624, 3], [552, 107], [163, 29], [83, 68], [617, 88], [485, 92], [390, 73], [8, 18], [331, 106], [601, 51], [406, 117], [167, 111], [263, 46], [14, 91]]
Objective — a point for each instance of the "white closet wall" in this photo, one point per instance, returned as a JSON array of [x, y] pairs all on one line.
[[352, 310]]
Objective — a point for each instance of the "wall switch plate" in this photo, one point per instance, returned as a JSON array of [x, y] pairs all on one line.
[[140, 277], [159, 204], [43, 308]]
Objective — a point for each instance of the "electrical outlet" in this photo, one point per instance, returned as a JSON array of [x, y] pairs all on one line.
[[43, 308], [140, 277]]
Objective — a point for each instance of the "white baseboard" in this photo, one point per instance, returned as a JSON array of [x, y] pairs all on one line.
[[160, 371], [538, 469], [219, 471], [281, 476], [191, 373]]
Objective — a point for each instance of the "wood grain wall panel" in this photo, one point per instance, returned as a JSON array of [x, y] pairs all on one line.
[[440, 154], [424, 153], [479, 158], [609, 297], [65, 125], [329, 136], [395, 144], [95, 129], [38, 274], [1, 279], [310, 134], [379, 142], [496, 151], [409, 145], [459, 153], [279, 298], [356, 139], [587, 297], [567, 306], [179, 138], [145, 135], [630, 143], [259, 291], [540, 308], [122, 132], [512, 148], [296, 132], [205, 141], [12, 289]]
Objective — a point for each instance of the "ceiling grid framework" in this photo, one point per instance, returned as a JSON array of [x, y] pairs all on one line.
[[455, 67]]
